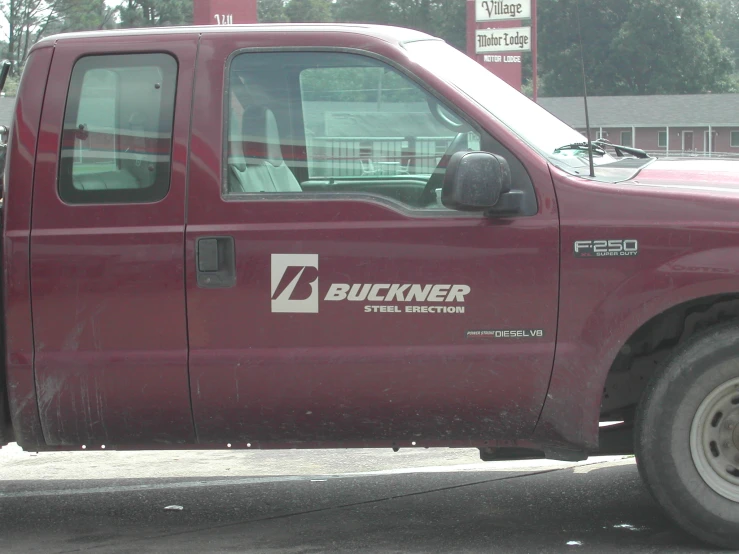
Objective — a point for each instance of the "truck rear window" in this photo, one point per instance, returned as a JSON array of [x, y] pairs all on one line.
[[117, 137]]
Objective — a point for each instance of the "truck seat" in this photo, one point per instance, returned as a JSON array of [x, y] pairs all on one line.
[[109, 180], [260, 167]]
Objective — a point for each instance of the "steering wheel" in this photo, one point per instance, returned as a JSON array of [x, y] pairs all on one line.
[[437, 177]]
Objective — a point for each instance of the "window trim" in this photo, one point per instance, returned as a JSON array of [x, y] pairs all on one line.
[[384, 201], [72, 196], [732, 134], [660, 143]]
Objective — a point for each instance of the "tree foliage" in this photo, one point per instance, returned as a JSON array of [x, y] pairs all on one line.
[[26, 21], [630, 47], [633, 47], [271, 11], [442, 18], [357, 84], [727, 26], [30, 20], [309, 11], [151, 13], [81, 15]]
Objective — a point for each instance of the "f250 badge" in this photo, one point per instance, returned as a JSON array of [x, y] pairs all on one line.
[[602, 248]]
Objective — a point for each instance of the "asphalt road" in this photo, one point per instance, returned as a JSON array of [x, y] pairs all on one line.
[[417, 500]]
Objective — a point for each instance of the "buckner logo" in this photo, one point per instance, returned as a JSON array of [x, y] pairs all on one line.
[[295, 283], [295, 290]]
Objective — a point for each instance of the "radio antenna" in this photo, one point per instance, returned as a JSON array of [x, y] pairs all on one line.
[[585, 91]]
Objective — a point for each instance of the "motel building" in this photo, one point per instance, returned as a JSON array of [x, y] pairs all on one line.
[[663, 125]]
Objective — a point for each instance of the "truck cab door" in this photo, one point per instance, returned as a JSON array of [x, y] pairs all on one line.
[[331, 297], [107, 243]]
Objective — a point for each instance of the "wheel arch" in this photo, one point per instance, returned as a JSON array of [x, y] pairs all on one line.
[[582, 386], [645, 352]]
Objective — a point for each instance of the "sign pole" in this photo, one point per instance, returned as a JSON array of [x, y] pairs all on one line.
[[471, 26], [224, 12]]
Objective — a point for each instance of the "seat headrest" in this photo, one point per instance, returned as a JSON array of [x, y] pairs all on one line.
[[261, 136], [236, 155]]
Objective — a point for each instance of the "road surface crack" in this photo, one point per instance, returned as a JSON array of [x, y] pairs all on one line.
[[317, 510]]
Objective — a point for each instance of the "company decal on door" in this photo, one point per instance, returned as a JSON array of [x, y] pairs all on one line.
[[295, 289]]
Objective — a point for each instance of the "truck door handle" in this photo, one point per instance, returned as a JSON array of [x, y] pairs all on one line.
[[215, 259]]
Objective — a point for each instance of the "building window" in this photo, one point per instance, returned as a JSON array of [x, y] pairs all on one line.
[[735, 139], [117, 136], [625, 138], [662, 139]]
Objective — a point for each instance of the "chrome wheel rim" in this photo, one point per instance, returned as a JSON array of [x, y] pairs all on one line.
[[714, 440]]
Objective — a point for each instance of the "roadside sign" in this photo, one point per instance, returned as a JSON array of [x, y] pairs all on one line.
[[512, 39], [224, 12], [502, 10]]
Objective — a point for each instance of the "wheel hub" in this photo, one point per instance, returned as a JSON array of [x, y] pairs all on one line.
[[714, 440]]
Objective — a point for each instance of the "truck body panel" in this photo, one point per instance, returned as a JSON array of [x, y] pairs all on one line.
[[344, 374], [684, 254], [17, 201], [107, 279], [132, 347], [312, 236]]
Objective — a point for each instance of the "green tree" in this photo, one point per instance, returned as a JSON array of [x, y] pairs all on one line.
[[379, 12], [450, 23], [30, 20], [25, 19], [727, 26], [357, 84], [154, 13], [442, 18], [308, 11], [271, 11], [633, 47], [81, 15]]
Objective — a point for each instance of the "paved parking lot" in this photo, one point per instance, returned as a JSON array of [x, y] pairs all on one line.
[[435, 500]]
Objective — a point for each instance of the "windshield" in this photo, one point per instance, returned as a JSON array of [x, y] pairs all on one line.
[[528, 120]]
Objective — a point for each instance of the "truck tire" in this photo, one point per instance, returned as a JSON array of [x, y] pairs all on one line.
[[687, 436]]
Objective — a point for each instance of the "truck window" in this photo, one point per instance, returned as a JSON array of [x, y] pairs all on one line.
[[371, 121], [117, 136], [323, 122]]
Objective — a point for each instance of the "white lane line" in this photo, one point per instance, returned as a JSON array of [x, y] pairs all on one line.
[[485, 467], [251, 481], [596, 467], [153, 486]]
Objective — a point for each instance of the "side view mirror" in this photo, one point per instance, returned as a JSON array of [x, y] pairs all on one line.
[[480, 181]]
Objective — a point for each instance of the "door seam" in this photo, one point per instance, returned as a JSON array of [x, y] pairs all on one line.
[[184, 240]]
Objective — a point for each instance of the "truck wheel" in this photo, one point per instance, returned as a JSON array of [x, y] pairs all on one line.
[[687, 436]]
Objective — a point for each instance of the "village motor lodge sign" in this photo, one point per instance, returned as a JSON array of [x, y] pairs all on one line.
[[501, 10], [497, 39], [512, 39], [504, 39]]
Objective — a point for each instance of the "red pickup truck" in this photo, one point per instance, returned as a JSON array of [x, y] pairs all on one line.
[[342, 235]]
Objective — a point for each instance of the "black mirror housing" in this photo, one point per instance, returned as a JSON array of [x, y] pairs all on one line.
[[475, 181]]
